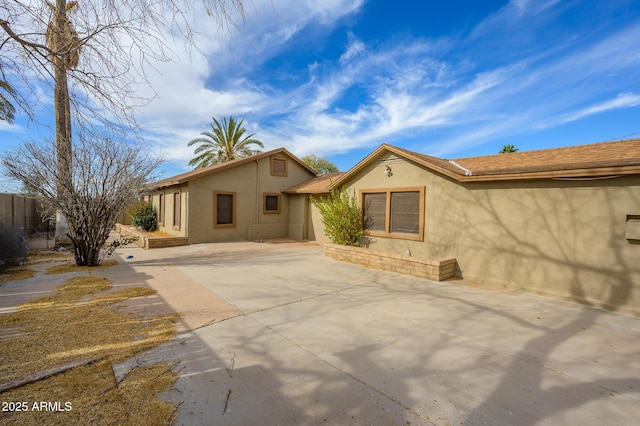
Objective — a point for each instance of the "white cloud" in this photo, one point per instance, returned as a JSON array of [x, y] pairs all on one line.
[[624, 100], [354, 49], [389, 90], [193, 88]]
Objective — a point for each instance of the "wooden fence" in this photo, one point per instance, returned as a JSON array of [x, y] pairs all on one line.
[[28, 216]]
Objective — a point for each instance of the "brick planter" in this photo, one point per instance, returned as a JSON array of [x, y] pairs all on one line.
[[147, 242], [433, 269]]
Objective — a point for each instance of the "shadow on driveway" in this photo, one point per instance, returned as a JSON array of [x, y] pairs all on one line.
[[315, 340]]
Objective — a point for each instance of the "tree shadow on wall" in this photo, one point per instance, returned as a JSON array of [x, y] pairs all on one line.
[[555, 241]]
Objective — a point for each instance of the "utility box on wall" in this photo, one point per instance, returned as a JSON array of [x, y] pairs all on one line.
[[632, 229]]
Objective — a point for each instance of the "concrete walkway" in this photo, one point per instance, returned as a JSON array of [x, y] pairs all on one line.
[[317, 341]]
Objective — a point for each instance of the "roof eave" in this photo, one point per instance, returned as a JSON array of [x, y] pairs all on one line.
[[311, 191], [584, 173]]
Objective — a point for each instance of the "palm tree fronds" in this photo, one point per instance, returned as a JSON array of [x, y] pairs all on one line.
[[223, 143]]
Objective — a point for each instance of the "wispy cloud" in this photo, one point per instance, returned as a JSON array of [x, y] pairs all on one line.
[[439, 95], [354, 49], [624, 100], [397, 90]]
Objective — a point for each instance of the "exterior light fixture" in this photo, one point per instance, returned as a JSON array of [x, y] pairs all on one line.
[[387, 171]]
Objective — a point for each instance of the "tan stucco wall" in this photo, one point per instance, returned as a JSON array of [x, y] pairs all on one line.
[[561, 238], [316, 227], [167, 226], [298, 228], [249, 182]]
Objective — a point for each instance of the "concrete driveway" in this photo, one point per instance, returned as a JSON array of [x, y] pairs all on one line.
[[312, 341]]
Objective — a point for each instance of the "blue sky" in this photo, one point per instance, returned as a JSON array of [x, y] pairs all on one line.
[[451, 79]]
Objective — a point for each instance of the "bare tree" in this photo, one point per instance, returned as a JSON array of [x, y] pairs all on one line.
[[94, 53], [105, 176], [103, 46]]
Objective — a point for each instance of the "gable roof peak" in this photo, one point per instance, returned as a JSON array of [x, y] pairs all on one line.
[[205, 171], [579, 161]]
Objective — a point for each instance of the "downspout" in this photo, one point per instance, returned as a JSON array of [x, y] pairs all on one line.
[[186, 211], [257, 192]]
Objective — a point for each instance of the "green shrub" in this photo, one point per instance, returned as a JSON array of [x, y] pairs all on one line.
[[143, 216], [13, 248], [341, 217]]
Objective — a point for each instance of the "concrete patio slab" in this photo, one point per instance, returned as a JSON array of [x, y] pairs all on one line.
[[279, 334], [320, 341]]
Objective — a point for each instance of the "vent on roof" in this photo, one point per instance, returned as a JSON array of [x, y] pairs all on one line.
[[387, 158], [467, 172]]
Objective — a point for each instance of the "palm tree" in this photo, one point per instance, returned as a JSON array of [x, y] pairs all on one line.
[[64, 46], [507, 149], [225, 142], [7, 110], [64, 54]]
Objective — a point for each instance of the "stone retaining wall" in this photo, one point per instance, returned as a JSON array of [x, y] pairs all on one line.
[[433, 269]]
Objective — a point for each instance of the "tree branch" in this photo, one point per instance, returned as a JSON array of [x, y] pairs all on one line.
[[5, 25]]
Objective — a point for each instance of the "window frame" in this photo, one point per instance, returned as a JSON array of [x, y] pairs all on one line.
[[387, 213], [264, 202], [215, 210], [286, 166], [176, 217]]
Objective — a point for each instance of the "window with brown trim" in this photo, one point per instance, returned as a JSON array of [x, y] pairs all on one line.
[[394, 213], [224, 209], [176, 210], [405, 213], [278, 166], [374, 208], [161, 209], [271, 204]]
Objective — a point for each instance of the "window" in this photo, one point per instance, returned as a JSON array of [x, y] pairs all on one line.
[[374, 207], [278, 166], [271, 204], [405, 213], [394, 213], [176, 210], [224, 209], [161, 209]]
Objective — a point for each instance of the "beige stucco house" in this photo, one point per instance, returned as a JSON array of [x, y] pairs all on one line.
[[562, 222], [240, 199]]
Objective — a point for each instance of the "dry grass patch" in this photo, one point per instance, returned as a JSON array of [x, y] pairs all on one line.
[[79, 323], [72, 267], [134, 402], [47, 257], [17, 274]]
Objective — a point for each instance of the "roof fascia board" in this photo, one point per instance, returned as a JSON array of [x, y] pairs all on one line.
[[559, 174], [359, 166], [576, 173]]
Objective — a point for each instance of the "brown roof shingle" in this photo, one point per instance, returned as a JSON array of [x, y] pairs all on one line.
[[582, 157], [581, 161], [317, 185]]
